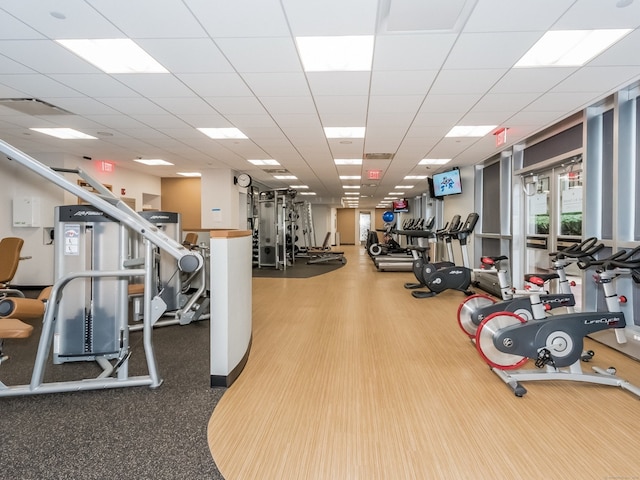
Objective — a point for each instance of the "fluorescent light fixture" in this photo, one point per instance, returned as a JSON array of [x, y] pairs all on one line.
[[152, 161], [264, 162], [299, 186], [434, 161], [396, 193], [348, 161], [307, 193], [114, 55], [64, 133], [351, 193], [336, 54], [390, 198], [569, 48], [344, 132], [285, 177], [351, 186], [405, 187], [349, 177], [470, 131], [415, 177], [190, 174], [223, 133]]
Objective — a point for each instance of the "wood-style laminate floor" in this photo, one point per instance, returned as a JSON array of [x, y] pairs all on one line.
[[350, 377]]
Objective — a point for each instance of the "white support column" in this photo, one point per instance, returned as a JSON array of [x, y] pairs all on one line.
[[220, 200]]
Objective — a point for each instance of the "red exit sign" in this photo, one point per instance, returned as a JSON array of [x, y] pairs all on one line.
[[374, 174], [107, 167]]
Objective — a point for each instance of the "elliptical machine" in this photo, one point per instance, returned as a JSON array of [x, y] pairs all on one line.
[[420, 252], [437, 278]]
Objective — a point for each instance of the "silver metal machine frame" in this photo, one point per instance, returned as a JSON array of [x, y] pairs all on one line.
[[187, 260]]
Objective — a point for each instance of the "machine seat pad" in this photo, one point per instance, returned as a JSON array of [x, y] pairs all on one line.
[[14, 328], [544, 276]]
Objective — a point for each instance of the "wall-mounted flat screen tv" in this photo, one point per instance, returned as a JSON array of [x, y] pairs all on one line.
[[400, 206], [447, 183]]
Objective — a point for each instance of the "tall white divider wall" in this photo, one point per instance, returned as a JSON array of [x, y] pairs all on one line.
[[231, 310]]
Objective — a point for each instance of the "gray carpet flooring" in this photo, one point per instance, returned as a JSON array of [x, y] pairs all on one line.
[[299, 270], [137, 432]]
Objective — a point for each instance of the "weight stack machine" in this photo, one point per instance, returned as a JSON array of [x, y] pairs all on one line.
[[93, 320], [168, 283]]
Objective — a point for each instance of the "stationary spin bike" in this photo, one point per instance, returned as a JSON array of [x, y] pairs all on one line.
[[437, 280], [477, 307], [506, 341]]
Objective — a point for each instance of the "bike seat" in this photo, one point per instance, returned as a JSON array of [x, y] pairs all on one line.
[[490, 261], [536, 277]]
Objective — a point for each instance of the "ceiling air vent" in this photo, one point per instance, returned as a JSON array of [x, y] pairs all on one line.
[[32, 106], [378, 156], [276, 171]]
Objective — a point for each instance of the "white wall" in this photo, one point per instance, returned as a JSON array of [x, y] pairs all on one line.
[[17, 182], [462, 205]]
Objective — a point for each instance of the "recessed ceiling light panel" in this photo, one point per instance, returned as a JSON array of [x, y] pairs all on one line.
[[64, 133], [114, 55]]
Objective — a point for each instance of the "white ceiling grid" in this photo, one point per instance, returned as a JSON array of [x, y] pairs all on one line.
[[436, 64]]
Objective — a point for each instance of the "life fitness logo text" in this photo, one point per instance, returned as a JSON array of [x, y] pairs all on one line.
[[88, 213], [606, 321], [456, 272]]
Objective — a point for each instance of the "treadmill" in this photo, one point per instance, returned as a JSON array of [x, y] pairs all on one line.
[[404, 262]]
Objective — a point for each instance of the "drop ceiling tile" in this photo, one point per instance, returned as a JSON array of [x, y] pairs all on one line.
[[254, 55], [240, 18], [589, 14], [37, 86], [466, 81], [339, 83], [332, 105], [132, 106], [490, 50], [12, 28], [236, 105], [120, 122], [155, 85], [187, 55], [531, 80], [95, 85], [160, 121], [45, 56], [148, 19], [216, 84], [249, 122], [331, 17], [501, 16], [80, 20], [185, 105], [205, 121], [624, 52], [293, 105], [504, 102], [286, 121], [393, 120], [412, 52], [598, 79], [449, 103], [402, 104], [277, 84], [8, 92], [84, 106], [560, 102], [405, 82], [347, 119]]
